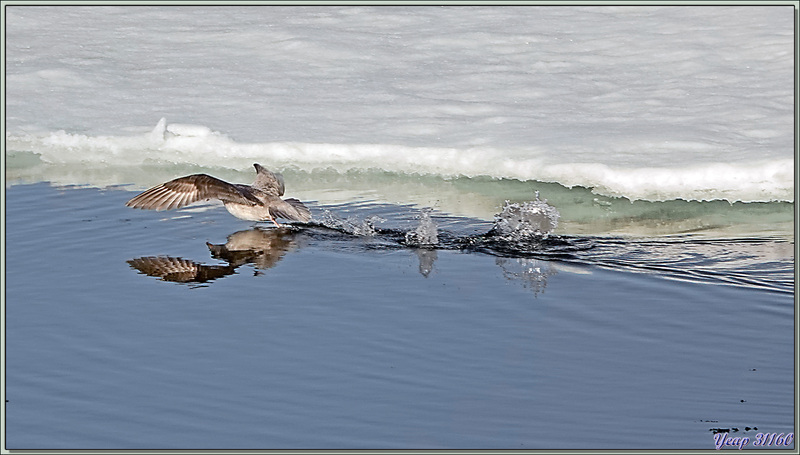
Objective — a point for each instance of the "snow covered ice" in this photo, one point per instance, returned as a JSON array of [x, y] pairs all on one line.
[[652, 103]]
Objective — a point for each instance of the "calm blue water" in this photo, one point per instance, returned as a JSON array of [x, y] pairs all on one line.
[[341, 341]]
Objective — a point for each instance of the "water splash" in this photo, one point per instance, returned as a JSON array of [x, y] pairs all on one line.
[[351, 225], [534, 219], [426, 234]]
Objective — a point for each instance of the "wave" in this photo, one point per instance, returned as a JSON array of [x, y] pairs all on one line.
[[200, 147]]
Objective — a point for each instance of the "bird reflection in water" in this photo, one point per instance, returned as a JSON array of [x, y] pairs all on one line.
[[263, 248], [179, 270]]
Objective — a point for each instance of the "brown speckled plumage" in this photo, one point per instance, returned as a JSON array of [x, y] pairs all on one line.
[[258, 202]]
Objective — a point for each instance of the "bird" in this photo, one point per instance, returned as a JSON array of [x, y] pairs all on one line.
[[260, 201]]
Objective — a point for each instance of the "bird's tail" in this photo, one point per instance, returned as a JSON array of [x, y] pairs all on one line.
[[291, 209]]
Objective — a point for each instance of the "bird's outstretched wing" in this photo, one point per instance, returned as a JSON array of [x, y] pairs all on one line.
[[268, 181], [186, 190]]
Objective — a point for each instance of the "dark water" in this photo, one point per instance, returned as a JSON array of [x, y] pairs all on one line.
[[125, 329]]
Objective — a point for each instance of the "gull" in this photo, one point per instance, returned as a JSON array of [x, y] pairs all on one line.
[[257, 202]]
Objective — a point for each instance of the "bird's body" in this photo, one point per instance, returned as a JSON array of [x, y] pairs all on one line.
[[260, 201]]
